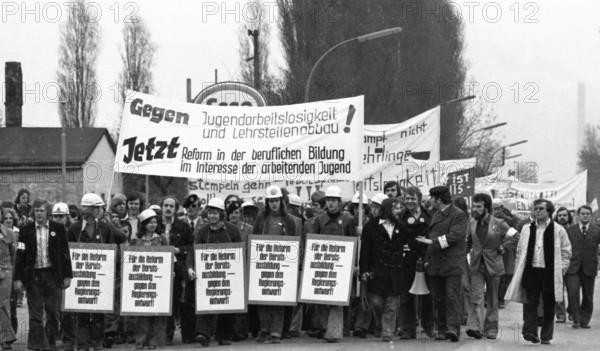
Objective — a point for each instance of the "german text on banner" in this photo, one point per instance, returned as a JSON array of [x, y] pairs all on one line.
[[147, 281], [327, 269], [407, 152], [220, 286], [92, 287], [314, 141], [570, 192], [273, 269]]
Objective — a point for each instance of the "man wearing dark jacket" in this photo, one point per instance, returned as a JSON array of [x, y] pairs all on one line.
[[44, 266], [416, 218], [382, 265], [180, 236], [445, 261], [89, 332], [583, 267]]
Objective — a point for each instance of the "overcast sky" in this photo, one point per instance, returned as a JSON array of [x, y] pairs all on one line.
[[533, 53]]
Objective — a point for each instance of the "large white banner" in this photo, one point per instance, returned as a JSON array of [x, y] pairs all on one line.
[[570, 192], [407, 152], [316, 141]]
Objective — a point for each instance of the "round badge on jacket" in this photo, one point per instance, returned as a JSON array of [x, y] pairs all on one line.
[[52, 233], [411, 220], [422, 220]]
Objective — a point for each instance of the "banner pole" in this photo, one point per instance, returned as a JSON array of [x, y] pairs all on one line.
[[359, 231], [110, 186]]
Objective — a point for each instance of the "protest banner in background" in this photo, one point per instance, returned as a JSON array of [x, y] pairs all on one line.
[[462, 183], [570, 192], [220, 283], [327, 269], [315, 141], [93, 280], [273, 269], [147, 283], [407, 152]]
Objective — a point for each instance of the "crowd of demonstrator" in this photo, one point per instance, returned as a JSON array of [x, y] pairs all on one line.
[[472, 258]]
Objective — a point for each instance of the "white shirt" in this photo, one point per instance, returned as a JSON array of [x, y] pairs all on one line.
[[389, 226], [538, 250], [41, 238]]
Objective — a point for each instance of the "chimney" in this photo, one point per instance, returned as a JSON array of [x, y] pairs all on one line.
[[581, 126], [14, 94]]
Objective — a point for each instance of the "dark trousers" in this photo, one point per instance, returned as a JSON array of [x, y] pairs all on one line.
[[271, 319], [150, 330], [90, 330], [219, 325], [581, 306], [67, 329], [183, 302], [410, 306], [447, 303], [504, 283], [14, 298], [533, 292], [43, 295]]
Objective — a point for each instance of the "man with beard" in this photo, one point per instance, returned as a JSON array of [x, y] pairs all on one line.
[[485, 244], [416, 219], [180, 236], [333, 222], [444, 260], [564, 218]]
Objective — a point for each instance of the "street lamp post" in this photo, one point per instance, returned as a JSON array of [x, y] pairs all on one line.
[[503, 148], [360, 39]]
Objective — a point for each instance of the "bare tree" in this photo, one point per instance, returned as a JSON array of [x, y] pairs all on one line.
[[472, 140], [76, 74], [137, 56]]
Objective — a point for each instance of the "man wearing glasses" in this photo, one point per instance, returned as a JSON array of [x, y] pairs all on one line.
[[543, 255], [583, 269]]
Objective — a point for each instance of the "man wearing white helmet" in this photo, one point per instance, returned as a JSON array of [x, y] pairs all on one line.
[[91, 326], [333, 222], [60, 213], [216, 231], [44, 266], [274, 220]]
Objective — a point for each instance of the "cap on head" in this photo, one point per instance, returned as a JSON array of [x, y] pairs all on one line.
[[60, 208], [92, 200], [333, 191], [317, 196], [273, 192], [216, 203], [146, 214], [378, 198], [154, 208], [438, 191], [249, 204], [294, 200], [355, 199], [190, 200], [496, 202]]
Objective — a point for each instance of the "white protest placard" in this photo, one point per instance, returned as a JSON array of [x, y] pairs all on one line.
[[387, 155], [220, 283], [273, 269], [92, 286], [314, 141], [327, 269], [569, 193], [147, 285]]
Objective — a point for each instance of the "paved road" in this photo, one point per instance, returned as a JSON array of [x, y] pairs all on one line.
[[509, 338]]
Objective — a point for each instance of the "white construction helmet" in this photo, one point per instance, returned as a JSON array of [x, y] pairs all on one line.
[[333, 191], [147, 214], [378, 198], [273, 192], [357, 195], [91, 199], [249, 204], [216, 203], [294, 200], [496, 202], [60, 208]]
